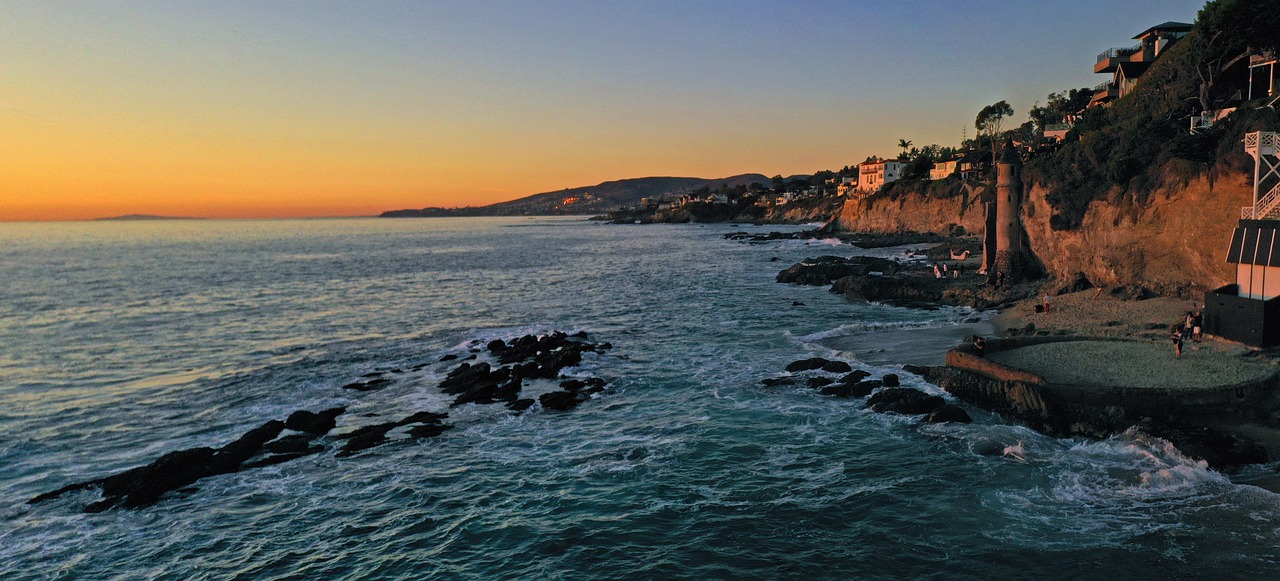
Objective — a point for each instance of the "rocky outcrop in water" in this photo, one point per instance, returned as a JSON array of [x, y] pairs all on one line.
[[526, 358], [824, 270], [144, 485]]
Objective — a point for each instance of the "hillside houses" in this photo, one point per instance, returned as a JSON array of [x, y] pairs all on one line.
[[1127, 64]]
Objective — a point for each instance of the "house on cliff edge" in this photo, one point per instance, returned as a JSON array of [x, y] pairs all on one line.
[[875, 173], [1127, 64]]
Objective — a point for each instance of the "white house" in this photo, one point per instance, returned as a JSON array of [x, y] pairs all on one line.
[[943, 169], [878, 172]]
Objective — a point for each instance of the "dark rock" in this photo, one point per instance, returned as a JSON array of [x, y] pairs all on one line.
[[372, 374], [1078, 282], [281, 458], [228, 458], [896, 289], [422, 417], [449, 357], [824, 270], [855, 376], [776, 381], [836, 367], [496, 345], [819, 381], [364, 438], [521, 404], [370, 385], [560, 400], [904, 400], [289, 444], [797, 304], [144, 485], [428, 430], [890, 380], [948, 413], [588, 386], [859, 389], [807, 364], [579, 335], [316, 424]]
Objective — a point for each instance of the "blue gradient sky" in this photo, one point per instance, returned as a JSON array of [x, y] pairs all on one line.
[[257, 109]]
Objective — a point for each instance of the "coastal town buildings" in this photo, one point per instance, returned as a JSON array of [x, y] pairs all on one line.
[[1127, 64], [847, 186], [875, 173]]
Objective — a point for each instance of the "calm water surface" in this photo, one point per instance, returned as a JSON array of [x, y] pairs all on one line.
[[122, 341]]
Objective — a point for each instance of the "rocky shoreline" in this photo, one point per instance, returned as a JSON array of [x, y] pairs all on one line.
[[1227, 431]]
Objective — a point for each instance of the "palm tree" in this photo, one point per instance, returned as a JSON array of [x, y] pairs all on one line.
[[904, 144]]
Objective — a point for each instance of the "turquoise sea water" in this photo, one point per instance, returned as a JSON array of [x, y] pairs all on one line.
[[122, 341]]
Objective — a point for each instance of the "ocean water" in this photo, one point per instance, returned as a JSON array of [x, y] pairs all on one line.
[[122, 341]]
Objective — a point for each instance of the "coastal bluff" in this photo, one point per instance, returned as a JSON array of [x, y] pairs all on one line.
[[1173, 242]]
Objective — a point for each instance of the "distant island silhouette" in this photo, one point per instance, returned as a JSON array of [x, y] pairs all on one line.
[[139, 217]]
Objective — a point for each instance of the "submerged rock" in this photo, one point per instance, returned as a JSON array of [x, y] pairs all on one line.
[[807, 364], [904, 400], [948, 413]]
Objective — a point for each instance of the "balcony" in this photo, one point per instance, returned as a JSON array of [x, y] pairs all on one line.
[[1111, 58], [1105, 92], [1258, 60]]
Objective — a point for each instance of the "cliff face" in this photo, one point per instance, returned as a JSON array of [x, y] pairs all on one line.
[[911, 210], [1174, 241]]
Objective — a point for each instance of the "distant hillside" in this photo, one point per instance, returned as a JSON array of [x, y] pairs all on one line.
[[596, 199]]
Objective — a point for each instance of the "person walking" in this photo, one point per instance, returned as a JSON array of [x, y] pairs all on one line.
[[1177, 343]]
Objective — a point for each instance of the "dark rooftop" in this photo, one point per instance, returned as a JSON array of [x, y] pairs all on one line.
[[1169, 26]]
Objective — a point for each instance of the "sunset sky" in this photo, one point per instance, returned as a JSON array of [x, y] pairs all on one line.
[[275, 109]]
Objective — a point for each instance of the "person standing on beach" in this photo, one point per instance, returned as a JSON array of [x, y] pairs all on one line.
[[1197, 321], [1046, 304], [980, 346], [1177, 343]]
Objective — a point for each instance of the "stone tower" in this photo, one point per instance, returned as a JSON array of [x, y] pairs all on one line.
[[1008, 203]]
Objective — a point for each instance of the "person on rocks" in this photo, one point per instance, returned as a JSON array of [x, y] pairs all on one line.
[[1177, 342], [937, 273], [980, 346]]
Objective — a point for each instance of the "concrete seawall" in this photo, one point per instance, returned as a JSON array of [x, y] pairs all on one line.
[[1223, 424]]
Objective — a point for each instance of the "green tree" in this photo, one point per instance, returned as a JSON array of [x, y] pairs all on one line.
[[904, 144], [1227, 32], [989, 121]]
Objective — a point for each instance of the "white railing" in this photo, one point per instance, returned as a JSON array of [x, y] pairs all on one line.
[[1261, 140], [1268, 204], [1246, 213], [1202, 121]]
